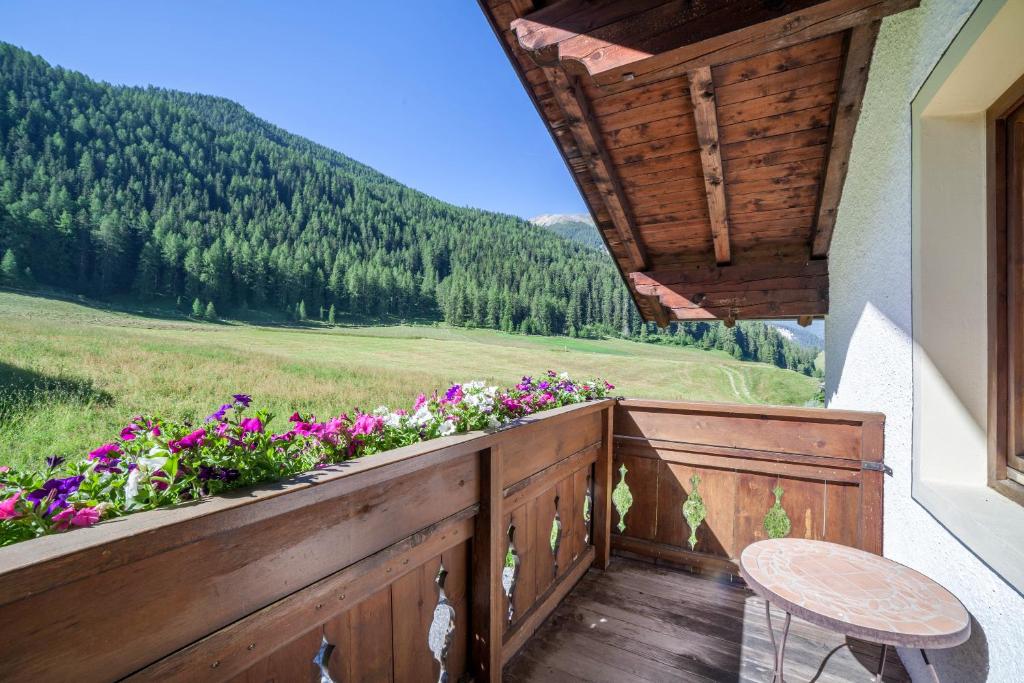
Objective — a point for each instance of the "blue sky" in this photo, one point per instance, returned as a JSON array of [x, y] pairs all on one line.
[[420, 89]]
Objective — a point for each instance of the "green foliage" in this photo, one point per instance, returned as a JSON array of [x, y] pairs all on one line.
[[197, 308], [211, 312], [332, 316], [776, 521], [694, 510], [107, 191], [622, 498], [10, 274]]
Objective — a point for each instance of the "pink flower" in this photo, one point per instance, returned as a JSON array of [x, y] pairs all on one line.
[[420, 402], [103, 452], [366, 424], [86, 516], [82, 517], [128, 433], [7, 510], [4, 468], [251, 425], [62, 519]]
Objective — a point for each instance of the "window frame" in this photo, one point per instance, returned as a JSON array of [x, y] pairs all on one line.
[[1006, 302]]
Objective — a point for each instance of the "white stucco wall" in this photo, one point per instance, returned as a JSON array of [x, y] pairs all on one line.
[[869, 345]]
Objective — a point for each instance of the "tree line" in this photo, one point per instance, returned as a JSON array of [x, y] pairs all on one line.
[[160, 195]]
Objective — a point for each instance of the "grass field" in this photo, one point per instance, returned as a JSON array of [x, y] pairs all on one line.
[[72, 373]]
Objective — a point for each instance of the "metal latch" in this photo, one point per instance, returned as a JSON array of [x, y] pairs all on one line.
[[875, 466]]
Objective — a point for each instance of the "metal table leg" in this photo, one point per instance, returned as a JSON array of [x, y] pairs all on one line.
[[931, 667], [881, 665], [780, 648]]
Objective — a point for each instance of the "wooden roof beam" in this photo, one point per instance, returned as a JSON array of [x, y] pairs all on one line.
[[702, 92], [781, 290], [583, 124], [644, 40], [860, 46]]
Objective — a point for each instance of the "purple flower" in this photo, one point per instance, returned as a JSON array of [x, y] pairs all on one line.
[[110, 466], [454, 394], [219, 414], [54, 461], [242, 399], [207, 472], [56, 491], [251, 425]]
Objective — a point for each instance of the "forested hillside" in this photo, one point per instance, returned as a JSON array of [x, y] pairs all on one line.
[[112, 191]]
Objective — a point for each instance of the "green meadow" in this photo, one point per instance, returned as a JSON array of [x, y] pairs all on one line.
[[72, 373]]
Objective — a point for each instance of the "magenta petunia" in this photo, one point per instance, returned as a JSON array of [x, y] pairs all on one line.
[[193, 440], [251, 425], [7, 507], [366, 424], [421, 400], [104, 451]]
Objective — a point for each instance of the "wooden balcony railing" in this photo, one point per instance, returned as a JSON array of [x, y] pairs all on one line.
[[442, 557], [750, 472]]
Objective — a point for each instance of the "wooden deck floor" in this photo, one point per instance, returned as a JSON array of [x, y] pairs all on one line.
[[639, 622]]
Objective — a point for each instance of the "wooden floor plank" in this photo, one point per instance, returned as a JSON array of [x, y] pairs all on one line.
[[640, 622]]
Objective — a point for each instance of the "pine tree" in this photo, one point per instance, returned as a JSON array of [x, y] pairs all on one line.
[[10, 274], [300, 310], [211, 312], [197, 308], [331, 316]]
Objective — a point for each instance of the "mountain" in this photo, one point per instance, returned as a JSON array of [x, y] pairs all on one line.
[[160, 195], [548, 219], [811, 337], [575, 227]]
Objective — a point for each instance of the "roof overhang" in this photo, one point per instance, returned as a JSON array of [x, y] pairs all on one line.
[[710, 139]]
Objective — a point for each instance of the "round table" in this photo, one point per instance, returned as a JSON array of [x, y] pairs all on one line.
[[854, 593]]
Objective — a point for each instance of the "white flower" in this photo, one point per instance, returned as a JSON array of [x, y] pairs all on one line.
[[131, 486], [152, 464], [381, 411], [473, 386], [447, 428], [393, 420], [564, 375], [422, 416]]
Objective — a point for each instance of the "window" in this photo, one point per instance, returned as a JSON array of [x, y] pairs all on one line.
[[1006, 283]]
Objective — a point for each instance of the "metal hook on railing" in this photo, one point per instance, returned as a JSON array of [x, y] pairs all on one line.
[[323, 658]]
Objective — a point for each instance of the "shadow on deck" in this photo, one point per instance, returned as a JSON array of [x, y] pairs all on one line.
[[640, 622]]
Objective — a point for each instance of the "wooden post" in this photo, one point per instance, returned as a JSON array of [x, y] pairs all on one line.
[[603, 484], [488, 560]]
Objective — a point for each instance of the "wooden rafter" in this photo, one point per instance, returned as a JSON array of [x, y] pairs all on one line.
[[583, 124], [861, 45], [734, 292], [702, 92], [650, 40]]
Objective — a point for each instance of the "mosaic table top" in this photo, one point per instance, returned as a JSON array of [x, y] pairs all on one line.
[[855, 593]]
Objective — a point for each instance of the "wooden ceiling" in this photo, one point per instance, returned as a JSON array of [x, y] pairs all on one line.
[[710, 138]]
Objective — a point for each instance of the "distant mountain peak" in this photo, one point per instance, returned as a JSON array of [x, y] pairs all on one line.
[[548, 219]]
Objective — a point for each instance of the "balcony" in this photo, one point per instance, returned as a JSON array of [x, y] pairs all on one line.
[[543, 549]]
